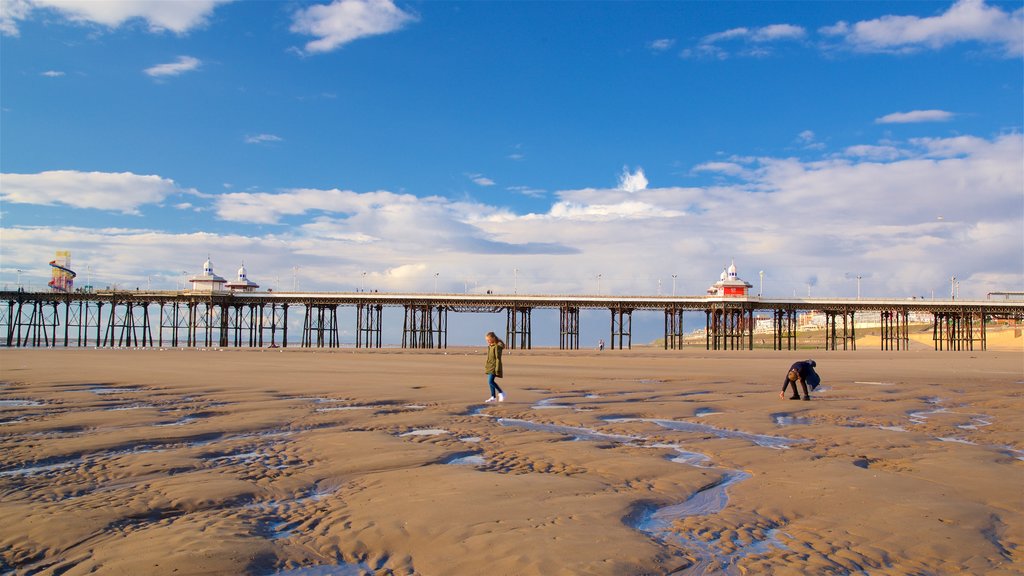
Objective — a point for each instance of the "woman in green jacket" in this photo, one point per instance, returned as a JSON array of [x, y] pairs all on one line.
[[493, 366]]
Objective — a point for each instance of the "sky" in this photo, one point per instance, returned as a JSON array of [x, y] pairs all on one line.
[[633, 148]]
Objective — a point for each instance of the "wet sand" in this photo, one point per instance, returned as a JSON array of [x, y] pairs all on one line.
[[309, 462]]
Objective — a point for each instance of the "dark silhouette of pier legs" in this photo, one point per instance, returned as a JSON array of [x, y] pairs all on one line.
[[569, 328], [895, 330], [321, 322], [958, 330], [674, 329], [622, 327], [727, 327], [421, 327], [518, 332], [849, 336], [368, 325], [783, 329]]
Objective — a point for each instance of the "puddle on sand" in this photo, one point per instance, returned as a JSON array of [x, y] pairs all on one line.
[[573, 431], [19, 403], [787, 419], [702, 412], [657, 522], [104, 390], [777, 442], [360, 569], [424, 432], [465, 459]]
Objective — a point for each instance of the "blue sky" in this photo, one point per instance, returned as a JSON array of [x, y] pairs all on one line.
[[527, 146]]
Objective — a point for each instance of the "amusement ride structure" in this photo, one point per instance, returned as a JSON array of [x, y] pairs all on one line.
[[63, 276]]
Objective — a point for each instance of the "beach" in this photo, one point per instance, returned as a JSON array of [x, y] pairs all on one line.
[[305, 462]]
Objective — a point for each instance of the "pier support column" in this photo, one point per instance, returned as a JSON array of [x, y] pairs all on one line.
[[784, 329], [569, 328], [368, 325], [622, 328], [518, 332], [320, 325], [272, 321], [674, 329], [422, 330], [728, 326], [895, 331], [832, 334]]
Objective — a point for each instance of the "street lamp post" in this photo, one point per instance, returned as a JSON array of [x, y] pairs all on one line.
[[362, 282], [436, 274], [952, 288], [598, 284], [674, 284], [858, 286], [760, 291]]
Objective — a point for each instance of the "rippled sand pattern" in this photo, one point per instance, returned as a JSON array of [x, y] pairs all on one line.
[[299, 462]]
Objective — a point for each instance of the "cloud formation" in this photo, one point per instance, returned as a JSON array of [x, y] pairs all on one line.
[[159, 15], [180, 66], [119, 192], [262, 139], [965, 21], [873, 210], [344, 21], [915, 116]]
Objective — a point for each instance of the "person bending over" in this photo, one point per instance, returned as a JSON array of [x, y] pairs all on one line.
[[804, 372]]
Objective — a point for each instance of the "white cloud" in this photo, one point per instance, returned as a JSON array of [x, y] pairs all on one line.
[[965, 21], [481, 180], [11, 12], [159, 15], [52, 74], [915, 116], [751, 41], [262, 138], [728, 168], [730, 34], [661, 44], [632, 181], [871, 152], [778, 32], [871, 211], [120, 192], [180, 66], [344, 21]]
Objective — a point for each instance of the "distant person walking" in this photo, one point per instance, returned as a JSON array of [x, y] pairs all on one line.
[[493, 366], [804, 372]]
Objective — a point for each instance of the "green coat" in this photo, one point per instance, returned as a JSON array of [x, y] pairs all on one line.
[[493, 365]]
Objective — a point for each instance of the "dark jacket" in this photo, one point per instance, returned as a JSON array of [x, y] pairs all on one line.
[[805, 370]]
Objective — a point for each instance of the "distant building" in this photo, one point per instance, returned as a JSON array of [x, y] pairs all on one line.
[[242, 284], [207, 282], [729, 285]]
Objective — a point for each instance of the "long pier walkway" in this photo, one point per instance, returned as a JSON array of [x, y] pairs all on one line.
[[259, 319]]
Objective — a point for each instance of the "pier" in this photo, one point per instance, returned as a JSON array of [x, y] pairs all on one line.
[[118, 318]]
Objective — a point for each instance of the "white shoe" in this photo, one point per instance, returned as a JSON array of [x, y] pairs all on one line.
[[501, 397], [491, 399]]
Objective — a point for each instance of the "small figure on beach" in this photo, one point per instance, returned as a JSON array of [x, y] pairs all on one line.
[[600, 344], [493, 366], [804, 372]]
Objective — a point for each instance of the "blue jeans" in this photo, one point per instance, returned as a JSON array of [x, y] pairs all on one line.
[[495, 389]]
